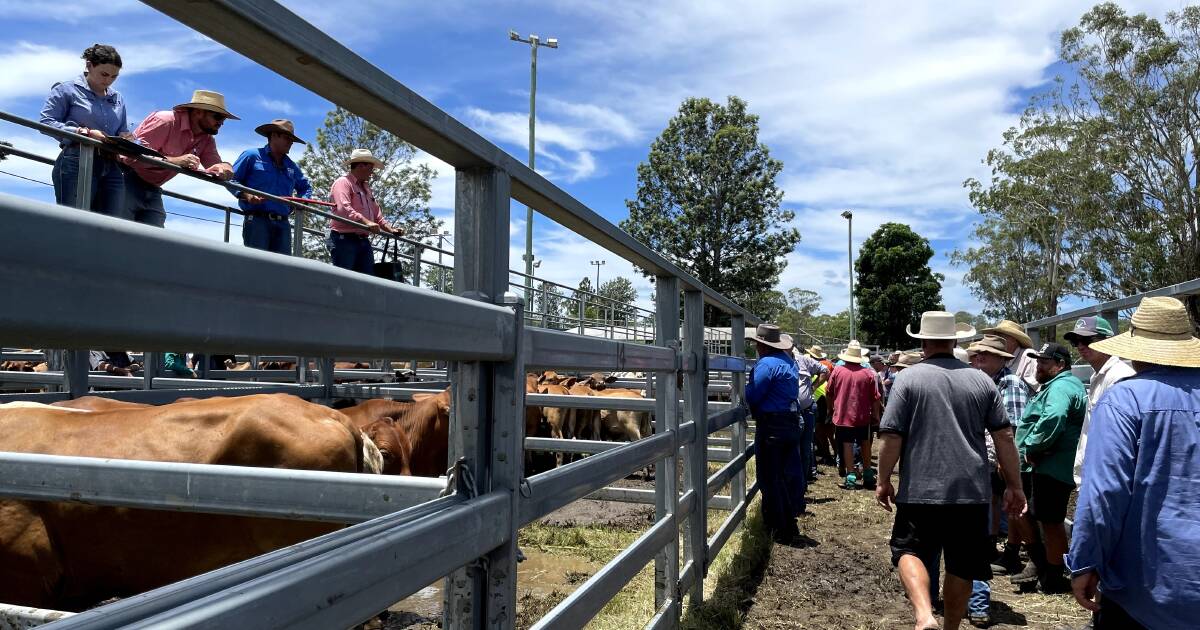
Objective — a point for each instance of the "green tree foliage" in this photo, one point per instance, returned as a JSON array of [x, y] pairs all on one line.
[[620, 297], [894, 284], [1096, 193], [437, 278], [707, 200], [549, 300], [978, 321], [401, 188]]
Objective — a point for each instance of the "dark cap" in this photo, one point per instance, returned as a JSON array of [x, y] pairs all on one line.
[[1055, 351], [1090, 329]]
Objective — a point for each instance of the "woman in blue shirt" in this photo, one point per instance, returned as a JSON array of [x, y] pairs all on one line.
[[87, 105]]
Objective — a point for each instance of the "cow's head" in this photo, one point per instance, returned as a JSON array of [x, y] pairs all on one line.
[[393, 445], [442, 399], [598, 381]]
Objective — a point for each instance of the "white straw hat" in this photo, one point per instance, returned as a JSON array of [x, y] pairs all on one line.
[[1160, 333], [364, 155], [940, 325]]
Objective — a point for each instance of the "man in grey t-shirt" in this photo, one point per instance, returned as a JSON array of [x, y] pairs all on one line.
[[935, 421]]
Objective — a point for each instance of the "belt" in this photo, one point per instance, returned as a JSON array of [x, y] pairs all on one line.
[[270, 215], [336, 234]]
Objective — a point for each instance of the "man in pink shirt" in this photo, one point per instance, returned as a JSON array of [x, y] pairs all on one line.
[[185, 136], [854, 394], [350, 245]]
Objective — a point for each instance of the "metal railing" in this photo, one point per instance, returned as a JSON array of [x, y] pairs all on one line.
[[209, 298]]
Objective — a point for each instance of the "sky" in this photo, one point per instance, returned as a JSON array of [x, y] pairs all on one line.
[[882, 108]]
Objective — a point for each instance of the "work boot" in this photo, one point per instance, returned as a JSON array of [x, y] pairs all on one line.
[[869, 479], [1009, 562], [1054, 580], [1035, 568]]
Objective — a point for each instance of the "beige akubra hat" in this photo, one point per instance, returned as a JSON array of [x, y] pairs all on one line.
[[363, 155], [1159, 333], [207, 100], [907, 360], [940, 325], [816, 352], [1012, 329], [852, 354], [991, 344]]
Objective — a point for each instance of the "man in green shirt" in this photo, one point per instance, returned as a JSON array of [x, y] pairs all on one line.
[[1046, 438]]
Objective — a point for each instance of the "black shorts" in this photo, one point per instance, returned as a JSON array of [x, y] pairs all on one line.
[[852, 434], [1047, 497], [822, 411], [959, 532]]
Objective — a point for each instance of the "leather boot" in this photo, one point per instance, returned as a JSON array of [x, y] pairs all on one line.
[[1054, 580], [1036, 566], [1009, 562]]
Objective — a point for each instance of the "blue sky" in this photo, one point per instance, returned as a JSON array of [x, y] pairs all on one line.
[[881, 107]]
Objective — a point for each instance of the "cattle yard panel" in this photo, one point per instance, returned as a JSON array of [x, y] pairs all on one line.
[[280, 305]]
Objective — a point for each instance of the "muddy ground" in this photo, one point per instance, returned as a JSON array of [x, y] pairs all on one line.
[[846, 579]]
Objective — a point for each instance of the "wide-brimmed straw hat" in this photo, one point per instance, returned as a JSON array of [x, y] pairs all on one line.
[[786, 338], [1012, 329], [907, 360], [769, 335], [852, 354], [279, 125], [207, 100], [1160, 333], [363, 155], [940, 325], [991, 344], [816, 352]]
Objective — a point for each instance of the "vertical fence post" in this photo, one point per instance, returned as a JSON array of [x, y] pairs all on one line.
[[484, 429], [666, 472], [582, 310], [76, 373], [1113, 318], [227, 213], [298, 232], [695, 395], [737, 390], [326, 367], [545, 306], [149, 369], [417, 249], [83, 183]]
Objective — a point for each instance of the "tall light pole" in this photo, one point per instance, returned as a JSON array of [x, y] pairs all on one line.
[[849, 217], [533, 42], [597, 264]]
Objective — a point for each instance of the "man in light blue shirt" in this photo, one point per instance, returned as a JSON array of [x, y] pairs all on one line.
[[1136, 536]]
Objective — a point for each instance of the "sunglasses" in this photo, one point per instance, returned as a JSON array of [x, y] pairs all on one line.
[[218, 117]]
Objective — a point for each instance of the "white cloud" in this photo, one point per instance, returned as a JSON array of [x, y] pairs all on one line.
[[275, 105]]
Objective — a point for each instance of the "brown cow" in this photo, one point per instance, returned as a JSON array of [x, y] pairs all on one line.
[[70, 556], [427, 423], [97, 403], [377, 419]]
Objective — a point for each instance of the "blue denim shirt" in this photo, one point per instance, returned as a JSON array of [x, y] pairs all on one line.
[[1137, 521], [255, 168], [773, 384], [72, 104]]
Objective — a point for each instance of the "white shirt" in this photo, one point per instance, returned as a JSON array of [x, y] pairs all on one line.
[[1113, 370]]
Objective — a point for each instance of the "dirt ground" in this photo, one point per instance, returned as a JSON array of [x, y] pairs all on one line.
[[845, 579]]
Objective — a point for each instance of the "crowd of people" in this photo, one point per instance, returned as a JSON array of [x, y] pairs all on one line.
[[185, 136], [990, 443]]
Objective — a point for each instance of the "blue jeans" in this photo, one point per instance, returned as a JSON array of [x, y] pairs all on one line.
[[809, 418], [352, 251], [108, 182], [262, 232], [143, 201], [780, 474], [981, 599]]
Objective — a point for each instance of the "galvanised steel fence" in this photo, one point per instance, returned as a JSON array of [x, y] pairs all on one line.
[[213, 298]]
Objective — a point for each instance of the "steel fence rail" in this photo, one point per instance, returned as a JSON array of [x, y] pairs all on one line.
[[308, 495]]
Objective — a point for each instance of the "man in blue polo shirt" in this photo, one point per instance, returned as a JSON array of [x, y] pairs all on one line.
[[270, 170], [771, 393]]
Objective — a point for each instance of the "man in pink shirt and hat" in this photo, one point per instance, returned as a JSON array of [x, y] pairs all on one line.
[[185, 136], [350, 245]]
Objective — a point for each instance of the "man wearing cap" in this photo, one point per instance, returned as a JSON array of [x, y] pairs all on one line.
[[935, 423], [1107, 371], [854, 392], [1018, 344], [1137, 521], [349, 244], [185, 135], [1047, 436], [771, 393], [270, 170]]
